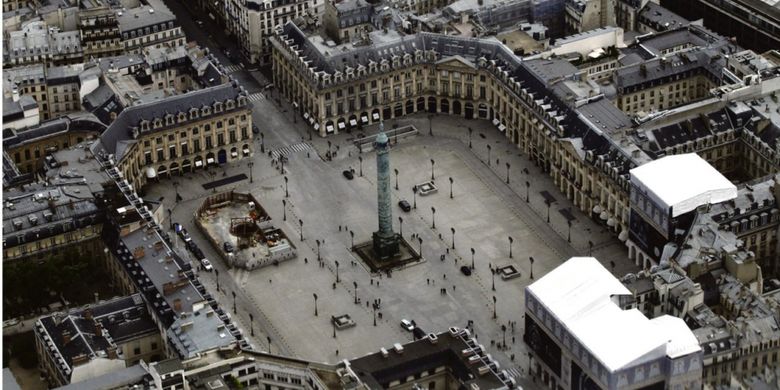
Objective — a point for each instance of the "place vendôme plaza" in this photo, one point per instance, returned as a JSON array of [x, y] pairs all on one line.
[[391, 194]]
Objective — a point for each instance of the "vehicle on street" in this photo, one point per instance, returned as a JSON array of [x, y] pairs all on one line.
[[255, 129], [418, 333], [465, 270], [11, 322], [198, 253], [228, 247], [207, 265], [348, 174], [407, 325], [404, 205]]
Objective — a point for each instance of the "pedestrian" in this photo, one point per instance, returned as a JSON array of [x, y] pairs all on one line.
[[337, 352], [445, 276], [339, 227], [372, 282], [306, 260], [448, 251], [513, 339], [453, 287], [270, 281], [428, 281]]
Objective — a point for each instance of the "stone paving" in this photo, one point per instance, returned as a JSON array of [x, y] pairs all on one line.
[[484, 212]]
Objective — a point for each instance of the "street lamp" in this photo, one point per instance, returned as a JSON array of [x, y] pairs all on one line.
[[318, 250], [452, 229], [493, 274], [356, 287], [360, 158], [590, 247], [269, 343], [374, 307], [548, 203], [337, 271], [430, 124], [251, 324], [507, 173], [234, 301], [251, 165], [494, 307], [333, 322], [472, 257], [527, 190], [286, 193], [316, 313], [420, 240], [396, 179], [300, 222], [284, 207], [401, 222], [531, 259], [433, 177], [451, 181], [569, 223], [488, 159], [511, 240], [216, 274], [470, 131], [414, 192], [433, 217], [262, 143], [352, 237]]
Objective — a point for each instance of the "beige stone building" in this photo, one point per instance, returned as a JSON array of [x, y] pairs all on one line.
[[183, 133], [99, 29]]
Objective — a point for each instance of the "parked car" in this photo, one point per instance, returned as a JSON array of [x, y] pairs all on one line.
[[197, 253], [255, 129], [418, 333], [348, 174], [228, 247], [465, 270], [207, 265], [404, 205], [407, 325]]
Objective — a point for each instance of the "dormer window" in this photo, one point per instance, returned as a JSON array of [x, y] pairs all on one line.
[[194, 113], [144, 125], [182, 117], [241, 101], [206, 110], [157, 123], [168, 119], [218, 107], [230, 104]]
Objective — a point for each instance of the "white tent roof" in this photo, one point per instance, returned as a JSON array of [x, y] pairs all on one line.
[[578, 294], [683, 183]]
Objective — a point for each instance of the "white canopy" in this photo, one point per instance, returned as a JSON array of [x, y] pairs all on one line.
[[682, 183], [150, 173], [579, 295]]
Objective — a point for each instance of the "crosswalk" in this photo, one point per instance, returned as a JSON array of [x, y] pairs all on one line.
[[294, 148], [514, 372], [256, 97], [232, 68]]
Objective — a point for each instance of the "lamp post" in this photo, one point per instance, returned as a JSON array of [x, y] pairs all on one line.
[[433, 177], [531, 259], [472, 257], [316, 313], [470, 131], [251, 324], [433, 217], [568, 222], [401, 229], [494, 307], [318, 250], [268, 338], [234, 301], [493, 275], [507, 173], [511, 240], [262, 143], [527, 190], [251, 165], [590, 248], [216, 277], [488, 159], [352, 238], [430, 125], [286, 193], [337, 271], [548, 203], [356, 287], [284, 208], [414, 192], [396, 179], [333, 322], [374, 307], [452, 229], [300, 222], [451, 181], [360, 158], [420, 240]]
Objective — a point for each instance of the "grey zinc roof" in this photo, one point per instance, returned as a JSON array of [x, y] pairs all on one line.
[[119, 133], [661, 18], [140, 17], [710, 61], [115, 379]]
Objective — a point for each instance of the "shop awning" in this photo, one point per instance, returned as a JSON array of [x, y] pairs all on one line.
[[311, 120], [364, 118], [186, 163], [305, 115], [353, 122], [329, 128], [501, 127], [604, 215], [495, 122], [234, 154], [246, 151], [209, 160], [342, 125], [150, 173], [375, 116], [597, 209], [198, 163], [316, 126]]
